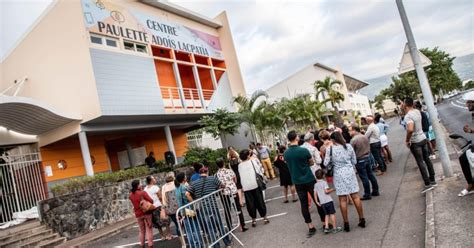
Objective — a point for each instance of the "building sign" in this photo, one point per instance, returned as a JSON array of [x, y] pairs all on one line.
[[108, 18]]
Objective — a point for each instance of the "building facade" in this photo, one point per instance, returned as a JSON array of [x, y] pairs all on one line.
[[96, 85], [302, 82]]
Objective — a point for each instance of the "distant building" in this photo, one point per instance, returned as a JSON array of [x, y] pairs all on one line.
[[302, 82]]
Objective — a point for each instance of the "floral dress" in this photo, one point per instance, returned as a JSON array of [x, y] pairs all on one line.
[[345, 180]]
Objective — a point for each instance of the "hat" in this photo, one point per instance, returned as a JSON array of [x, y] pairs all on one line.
[[469, 96], [203, 170], [308, 137]]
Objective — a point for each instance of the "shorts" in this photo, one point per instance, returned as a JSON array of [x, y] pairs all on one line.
[[383, 140], [328, 208]]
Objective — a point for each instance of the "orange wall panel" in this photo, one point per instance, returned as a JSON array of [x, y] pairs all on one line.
[[205, 78], [165, 73]]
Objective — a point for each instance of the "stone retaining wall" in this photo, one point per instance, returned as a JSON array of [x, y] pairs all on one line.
[[76, 214]]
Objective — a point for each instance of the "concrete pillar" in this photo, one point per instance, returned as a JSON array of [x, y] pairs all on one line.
[[179, 84], [86, 156], [169, 141], [214, 80], [199, 87]]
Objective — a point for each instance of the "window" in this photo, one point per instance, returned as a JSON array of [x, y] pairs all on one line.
[[104, 41], [96, 40], [132, 46]]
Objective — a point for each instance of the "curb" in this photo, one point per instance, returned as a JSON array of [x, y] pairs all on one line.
[[83, 241], [430, 241]]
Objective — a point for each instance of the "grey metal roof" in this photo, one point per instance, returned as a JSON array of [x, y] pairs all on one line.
[[29, 116]]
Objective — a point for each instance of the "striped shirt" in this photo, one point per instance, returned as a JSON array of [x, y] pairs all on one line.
[[204, 186]]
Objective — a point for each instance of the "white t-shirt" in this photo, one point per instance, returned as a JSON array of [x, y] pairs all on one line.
[[320, 188], [152, 192], [414, 116]]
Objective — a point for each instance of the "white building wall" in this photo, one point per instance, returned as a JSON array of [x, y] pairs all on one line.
[[360, 103]]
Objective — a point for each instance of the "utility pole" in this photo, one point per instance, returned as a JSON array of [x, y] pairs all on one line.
[[426, 90]]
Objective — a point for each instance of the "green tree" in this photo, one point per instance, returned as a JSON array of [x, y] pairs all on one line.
[[302, 111], [402, 87], [441, 75], [221, 123], [326, 88], [469, 85], [378, 102], [250, 108]]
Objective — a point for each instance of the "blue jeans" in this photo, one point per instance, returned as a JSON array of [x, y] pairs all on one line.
[[367, 177], [193, 232], [213, 226]]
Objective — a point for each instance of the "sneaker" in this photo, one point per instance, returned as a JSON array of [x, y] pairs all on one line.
[[311, 232], [337, 229], [427, 188], [327, 230], [434, 184]]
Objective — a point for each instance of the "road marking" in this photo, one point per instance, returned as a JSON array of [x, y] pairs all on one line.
[[458, 106], [269, 217], [137, 243], [276, 198], [272, 187]]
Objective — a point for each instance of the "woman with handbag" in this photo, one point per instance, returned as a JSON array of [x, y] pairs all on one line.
[[253, 184], [170, 204], [143, 208], [340, 160], [154, 192]]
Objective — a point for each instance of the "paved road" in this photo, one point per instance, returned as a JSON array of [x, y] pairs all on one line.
[[395, 219], [454, 115]]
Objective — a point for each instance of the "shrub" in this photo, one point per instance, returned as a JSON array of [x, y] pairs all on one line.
[[99, 180], [206, 156]]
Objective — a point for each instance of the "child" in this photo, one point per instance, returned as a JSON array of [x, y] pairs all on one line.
[[322, 190]]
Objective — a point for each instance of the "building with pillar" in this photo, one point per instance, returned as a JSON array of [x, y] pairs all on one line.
[[96, 85]]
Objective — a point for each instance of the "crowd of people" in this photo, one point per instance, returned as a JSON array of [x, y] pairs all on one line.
[[313, 166]]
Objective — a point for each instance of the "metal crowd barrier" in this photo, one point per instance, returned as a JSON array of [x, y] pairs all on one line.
[[208, 220]]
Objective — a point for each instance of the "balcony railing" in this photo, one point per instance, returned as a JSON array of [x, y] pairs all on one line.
[[192, 100]]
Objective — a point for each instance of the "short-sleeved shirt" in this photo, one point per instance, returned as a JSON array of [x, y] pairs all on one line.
[[320, 188], [414, 117], [203, 186], [152, 192], [263, 153], [297, 159], [373, 133], [226, 176], [195, 176], [361, 145]]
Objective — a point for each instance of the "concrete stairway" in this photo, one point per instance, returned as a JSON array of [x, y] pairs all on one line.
[[30, 234]]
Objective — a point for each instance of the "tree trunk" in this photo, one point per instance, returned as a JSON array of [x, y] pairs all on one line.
[[224, 141]]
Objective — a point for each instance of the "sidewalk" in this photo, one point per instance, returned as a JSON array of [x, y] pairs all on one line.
[[453, 215]]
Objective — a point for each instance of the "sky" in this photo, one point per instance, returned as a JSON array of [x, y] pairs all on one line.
[[275, 39]]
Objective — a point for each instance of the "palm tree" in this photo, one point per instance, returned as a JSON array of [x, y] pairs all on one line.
[[250, 108], [326, 89]]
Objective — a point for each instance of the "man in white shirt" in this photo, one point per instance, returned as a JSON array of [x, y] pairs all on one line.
[[373, 134], [309, 144]]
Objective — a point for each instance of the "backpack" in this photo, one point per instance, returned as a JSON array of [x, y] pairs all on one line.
[[172, 205], [425, 122]]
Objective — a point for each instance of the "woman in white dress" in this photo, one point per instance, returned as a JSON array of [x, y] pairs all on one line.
[[343, 158]]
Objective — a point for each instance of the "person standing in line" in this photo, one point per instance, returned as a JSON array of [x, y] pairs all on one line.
[[463, 159], [309, 144], [387, 154], [426, 126], [343, 158], [264, 156], [373, 134], [195, 176], [210, 217], [154, 192], [417, 143], [144, 219], [361, 146], [170, 204], [150, 160], [322, 193], [285, 177], [234, 162], [229, 179], [190, 222], [249, 170], [299, 161]]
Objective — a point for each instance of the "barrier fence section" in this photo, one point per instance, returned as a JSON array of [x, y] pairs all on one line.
[[208, 220]]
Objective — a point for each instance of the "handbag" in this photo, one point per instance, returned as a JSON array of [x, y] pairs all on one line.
[[330, 166], [262, 184], [145, 205]]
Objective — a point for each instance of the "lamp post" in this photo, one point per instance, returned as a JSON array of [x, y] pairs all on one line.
[[426, 90]]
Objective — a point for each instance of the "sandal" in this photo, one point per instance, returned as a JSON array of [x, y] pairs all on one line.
[[465, 192], [286, 201], [254, 223], [266, 221]]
